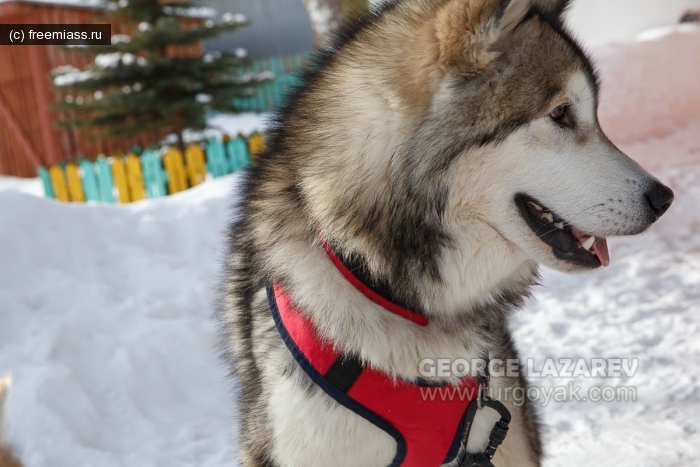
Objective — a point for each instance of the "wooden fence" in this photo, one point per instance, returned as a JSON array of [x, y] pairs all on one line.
[[271, 95], [153, 174], [28, 136]]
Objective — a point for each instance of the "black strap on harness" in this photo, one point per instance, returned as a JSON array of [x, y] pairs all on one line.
[[498, 433], [344, 372]]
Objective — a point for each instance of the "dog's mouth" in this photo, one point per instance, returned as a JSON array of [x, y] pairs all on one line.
[[568, 243]]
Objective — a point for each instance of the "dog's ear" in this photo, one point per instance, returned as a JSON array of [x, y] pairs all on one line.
[[471, 31], [514, 14], [553, 8]]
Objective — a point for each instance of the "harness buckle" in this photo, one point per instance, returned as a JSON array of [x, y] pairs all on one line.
[[498, 433]]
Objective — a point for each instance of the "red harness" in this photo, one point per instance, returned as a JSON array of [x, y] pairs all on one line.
[[426, 421]]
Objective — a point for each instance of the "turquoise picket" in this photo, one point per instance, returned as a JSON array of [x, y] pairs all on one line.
[[299, 61], [237, 150], [284, 84], [216, 159], [87, 169], [278, 68], [271, 95], [105, 183], [154, 176], [46, 181], [260, 104]]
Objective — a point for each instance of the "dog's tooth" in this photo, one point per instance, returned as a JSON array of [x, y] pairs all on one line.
[[549, 216], [588, 244], [559, 225]]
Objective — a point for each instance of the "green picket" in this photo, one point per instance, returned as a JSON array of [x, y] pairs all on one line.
[[217, 164], [153, 175], [237, 150], [104, 181], [87, 173], [46, 181]]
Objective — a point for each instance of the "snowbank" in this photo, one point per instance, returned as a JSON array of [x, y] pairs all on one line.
[[31, 186], [645, 306], [650, 92], [107, 328]]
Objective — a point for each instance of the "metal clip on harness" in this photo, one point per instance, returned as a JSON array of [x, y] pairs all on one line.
[[498, 433]]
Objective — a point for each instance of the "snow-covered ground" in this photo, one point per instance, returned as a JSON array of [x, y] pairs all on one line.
[[106, 311], [645, 306], [106, 326]]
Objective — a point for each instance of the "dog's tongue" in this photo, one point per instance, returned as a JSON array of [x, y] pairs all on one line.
[[600, 246]]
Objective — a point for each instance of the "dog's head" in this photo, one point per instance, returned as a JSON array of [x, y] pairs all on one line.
[[454, 136], [521, 96]]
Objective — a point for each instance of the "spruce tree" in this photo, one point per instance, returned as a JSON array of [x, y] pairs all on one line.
[[136, 84]]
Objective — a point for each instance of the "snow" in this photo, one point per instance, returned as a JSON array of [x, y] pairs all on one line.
[[68, 75], [107, 321], [122, 38], [223, 123], [237, 18], [108, 60], [192, 12], [245, 123], [31, 186], [107, 329], [599, 22], [646, 92], [662, 32], [646, 305], [128, 59]]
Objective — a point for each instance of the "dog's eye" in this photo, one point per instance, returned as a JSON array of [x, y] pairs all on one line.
[[562, 116]]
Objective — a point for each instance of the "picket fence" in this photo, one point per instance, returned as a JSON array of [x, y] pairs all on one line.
[[153, 174], [269, 96]]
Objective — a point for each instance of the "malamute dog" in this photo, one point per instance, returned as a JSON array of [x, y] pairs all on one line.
[[437, 154]]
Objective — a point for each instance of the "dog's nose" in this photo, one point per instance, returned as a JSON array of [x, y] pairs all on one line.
[[660, 198]]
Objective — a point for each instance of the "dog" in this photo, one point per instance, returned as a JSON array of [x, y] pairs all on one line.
[[7, 457], [435, 155]]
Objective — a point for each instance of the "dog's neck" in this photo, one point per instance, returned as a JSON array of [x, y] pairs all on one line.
[[477, 273], [355, 271], [344, 316]]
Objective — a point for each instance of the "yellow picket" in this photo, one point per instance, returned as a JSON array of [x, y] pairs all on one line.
[[175, 167], [256, 144], [119, 175], [134, 178], [58, 180], [75, 186], [196, 166]]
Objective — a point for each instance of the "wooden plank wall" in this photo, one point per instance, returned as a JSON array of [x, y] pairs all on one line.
[[21, 75]]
